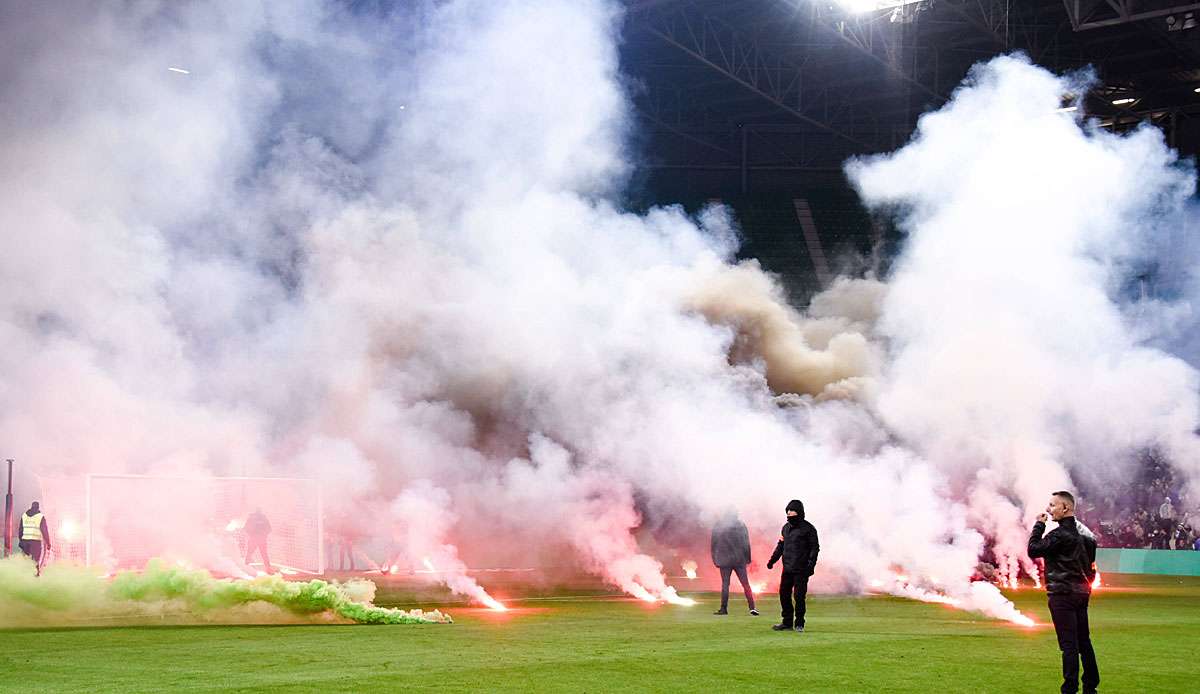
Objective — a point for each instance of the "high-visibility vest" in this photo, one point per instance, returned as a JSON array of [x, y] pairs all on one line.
[[31, 527]]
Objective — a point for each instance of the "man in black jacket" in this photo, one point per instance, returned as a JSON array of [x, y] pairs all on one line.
[[798, 547], [1070, 554], [731, 554]]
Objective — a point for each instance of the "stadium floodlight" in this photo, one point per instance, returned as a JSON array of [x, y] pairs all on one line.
[[1197, 90], [1122, 102], [1067, 109], [863, 6]]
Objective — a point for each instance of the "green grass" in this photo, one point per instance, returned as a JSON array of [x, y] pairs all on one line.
[[1147, 634]]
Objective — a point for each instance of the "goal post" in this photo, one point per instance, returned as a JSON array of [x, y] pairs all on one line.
[[122, 521]]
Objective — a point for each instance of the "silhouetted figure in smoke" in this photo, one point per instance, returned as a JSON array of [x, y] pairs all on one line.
[[34, 537], [257, 529], [1070, 554], [731, 554], [345, 547], [798, 548]]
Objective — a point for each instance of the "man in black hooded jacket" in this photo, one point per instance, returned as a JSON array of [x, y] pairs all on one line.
[[798, 548], [1070, 554]]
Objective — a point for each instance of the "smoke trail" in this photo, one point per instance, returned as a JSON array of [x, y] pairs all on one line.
[[425, 522], [69, 594]]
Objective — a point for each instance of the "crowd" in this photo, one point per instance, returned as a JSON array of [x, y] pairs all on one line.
[[1152, 511]]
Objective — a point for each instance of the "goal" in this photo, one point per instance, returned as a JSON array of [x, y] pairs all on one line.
[[123, 521]]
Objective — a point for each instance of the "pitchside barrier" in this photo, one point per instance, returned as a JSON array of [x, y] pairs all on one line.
[[1167, 562]]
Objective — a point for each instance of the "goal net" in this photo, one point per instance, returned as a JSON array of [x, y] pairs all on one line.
[[122, 521]]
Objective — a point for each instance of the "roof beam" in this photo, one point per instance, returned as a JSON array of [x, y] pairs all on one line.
[[723, 49], [1083, 13]]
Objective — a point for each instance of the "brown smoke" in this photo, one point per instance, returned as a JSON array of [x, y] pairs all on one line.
[[826, 354]]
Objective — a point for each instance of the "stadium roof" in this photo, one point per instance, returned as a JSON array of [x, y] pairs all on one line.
[[739, 92]]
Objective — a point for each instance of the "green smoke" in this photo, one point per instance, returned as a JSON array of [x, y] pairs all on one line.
[[161, 589]]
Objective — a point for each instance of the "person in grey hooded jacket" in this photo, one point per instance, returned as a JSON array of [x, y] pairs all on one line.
[[731, 554]]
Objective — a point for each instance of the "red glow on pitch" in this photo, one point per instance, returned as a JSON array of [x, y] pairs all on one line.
[[484, 614], [1096, 581]]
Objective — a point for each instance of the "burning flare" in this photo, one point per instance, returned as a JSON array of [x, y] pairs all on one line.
[[689, 569], [457, 580], [979, 596], [669, 595], [68, 530]]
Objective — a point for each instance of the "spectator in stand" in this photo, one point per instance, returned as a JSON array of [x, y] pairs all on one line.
[[1166, 515]]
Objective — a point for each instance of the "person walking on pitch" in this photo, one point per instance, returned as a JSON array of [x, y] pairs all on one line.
[[35, 535], [731, 554]]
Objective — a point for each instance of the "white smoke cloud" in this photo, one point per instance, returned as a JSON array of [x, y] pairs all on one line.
[[381, 251], [1013, 367]]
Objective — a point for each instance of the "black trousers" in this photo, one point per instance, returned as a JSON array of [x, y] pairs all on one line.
[[793, 584], [32, 549], [1069, 612], [743, 578]]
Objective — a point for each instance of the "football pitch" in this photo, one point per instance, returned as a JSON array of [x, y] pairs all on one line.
[[1146, 631]]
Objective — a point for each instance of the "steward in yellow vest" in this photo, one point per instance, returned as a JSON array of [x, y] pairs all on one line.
[[34, 534]]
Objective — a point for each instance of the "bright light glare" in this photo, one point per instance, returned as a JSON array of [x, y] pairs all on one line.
[[669, 595], [862, 6], [180, 70], [1068, 109], [1122, 102], [492, 603], [68, 530]]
